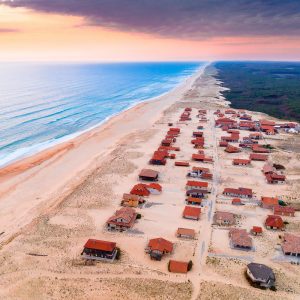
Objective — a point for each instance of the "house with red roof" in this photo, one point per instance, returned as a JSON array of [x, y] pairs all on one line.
[[256, 230], [224, 218], [193, 201], [232, 149], [236, 201], [240, 239], [158, 247], [202, 158], [284, 210], [159, 158], [154, 188], [274, 222], [259, 149], [256, 135], [182, 163], [291, 244], [223, 144], [99, 250], [140, 189], [264, 122], [258, 157], [186, 233], [176, 266], [239, 193], [247, 125], [123, 219], [192, 213], [191, 184], [269, 202], [241, 162], [274, 178]]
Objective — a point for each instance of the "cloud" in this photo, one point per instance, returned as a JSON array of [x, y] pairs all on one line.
[[189, 19], [8, 30]]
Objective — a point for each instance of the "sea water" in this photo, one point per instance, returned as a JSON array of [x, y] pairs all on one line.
[[45, 104]]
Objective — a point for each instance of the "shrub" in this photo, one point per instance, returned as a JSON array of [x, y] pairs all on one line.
[[190, 265], [139, 216], [118, 255]]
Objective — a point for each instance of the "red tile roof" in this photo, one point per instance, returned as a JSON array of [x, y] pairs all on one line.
[[240, 238], [239, 191], [155, 186], [269, 201], [200, 184], [100, 245], [178, 266], [190, 211], [239, 161], [274, 221], [257, 229], [291, 243], [256, 156], [160, 244], [140, 189], [283, 209], [186, 231]]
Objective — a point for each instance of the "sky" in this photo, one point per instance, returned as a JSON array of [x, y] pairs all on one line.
[[149, 30]]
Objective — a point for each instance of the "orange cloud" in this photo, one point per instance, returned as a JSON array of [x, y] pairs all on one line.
[[49, 37]]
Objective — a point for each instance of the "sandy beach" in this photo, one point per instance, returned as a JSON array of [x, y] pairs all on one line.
[[51, 203]]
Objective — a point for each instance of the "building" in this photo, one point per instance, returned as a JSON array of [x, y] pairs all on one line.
[[202, 158], [268, 169], [256, 135], [258, 157], [192, 213], [259, 149], [269, 202], [131, 200], [247, 125], [197, 133], [241, 162], [182, 164], [198, 185], [197, 193], [140, 189], [274, 222], [223, 144], [158, 247], [232, 149], [154, 188], [236, 201], [186, 233], [148, 175], [274, 178], [223, 218], [99, 250], [226, 122], [239, 193], [178, 266], [240, 239], [193, 201], [283, 210], [291, 244], [261, 275], [256, 230], [123, 219], [159, 156]]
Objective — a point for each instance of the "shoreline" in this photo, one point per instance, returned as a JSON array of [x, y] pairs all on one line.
[[67, 142], [38, 183]]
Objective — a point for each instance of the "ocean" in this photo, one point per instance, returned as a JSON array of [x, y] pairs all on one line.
[[42, 105]]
